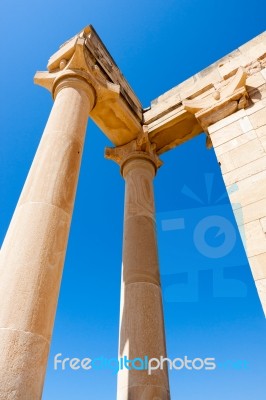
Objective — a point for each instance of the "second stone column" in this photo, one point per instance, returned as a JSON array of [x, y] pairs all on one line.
[[142, 332]]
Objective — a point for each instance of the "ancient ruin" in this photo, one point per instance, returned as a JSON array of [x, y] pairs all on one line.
[[227, 101]]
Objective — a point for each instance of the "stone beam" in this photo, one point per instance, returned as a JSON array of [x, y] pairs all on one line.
[[170, 120], [224, 86]]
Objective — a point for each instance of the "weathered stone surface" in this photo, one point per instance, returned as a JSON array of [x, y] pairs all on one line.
[[258, 266], [263, 221], [230, 63], [31, 266], [34, 248], [250, 212], [227, 121], [263, 73], [255, 240], [257, 79], [117, 110], [142, 334], [245, 124], [245, 171], [261, 132], [141, 313], [232, 144], [22, 364], [165, 115], [245, 167], [226, 133], [257, 94], [258, 119], [256, 49], [243, 155], [223, 103], [239, 143], [261, 288], [248, 190]]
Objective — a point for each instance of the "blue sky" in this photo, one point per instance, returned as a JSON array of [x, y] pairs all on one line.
[[211, 306]]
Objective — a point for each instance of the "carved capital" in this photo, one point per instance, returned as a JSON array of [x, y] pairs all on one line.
[[116, 110], [140, 148], [231, 98], [73, 60]]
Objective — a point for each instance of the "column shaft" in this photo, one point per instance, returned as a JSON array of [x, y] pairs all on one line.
[[141, 314], [33, 251]]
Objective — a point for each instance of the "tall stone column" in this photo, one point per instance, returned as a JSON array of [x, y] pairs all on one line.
[[141, 314], [33, 251]]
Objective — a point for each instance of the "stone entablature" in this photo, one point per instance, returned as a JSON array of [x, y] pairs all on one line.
[[169, 120]]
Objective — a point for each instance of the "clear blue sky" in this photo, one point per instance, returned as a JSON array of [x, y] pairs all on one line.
[[157, 44]]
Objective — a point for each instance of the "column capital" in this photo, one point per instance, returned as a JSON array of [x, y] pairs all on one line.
[[139, 148], [72, 66], [222, 103], [117, 111]]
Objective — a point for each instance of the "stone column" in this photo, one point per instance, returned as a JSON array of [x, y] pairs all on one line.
[[33, 251], [141, 314]]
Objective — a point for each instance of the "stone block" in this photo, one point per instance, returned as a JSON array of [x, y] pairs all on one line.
[[254, 239], [230, 63], [263, 73], [245, 124], [263, 223], [254, 107], [263, 139], [256, 80], [245, 171], [258, 119], [226, 134], [258, 266], [245, 48], [226, 121], [254, 52], [241, 156], [248, 191], [260, 132], [261, 288], [251, 212], [235, 143]]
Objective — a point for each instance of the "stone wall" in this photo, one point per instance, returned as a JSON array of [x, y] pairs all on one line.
[[239, 142]]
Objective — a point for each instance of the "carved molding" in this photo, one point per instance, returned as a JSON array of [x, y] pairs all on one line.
[[75, 61], [224, 102], [176, 116], [138, 148], [114, 110]]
